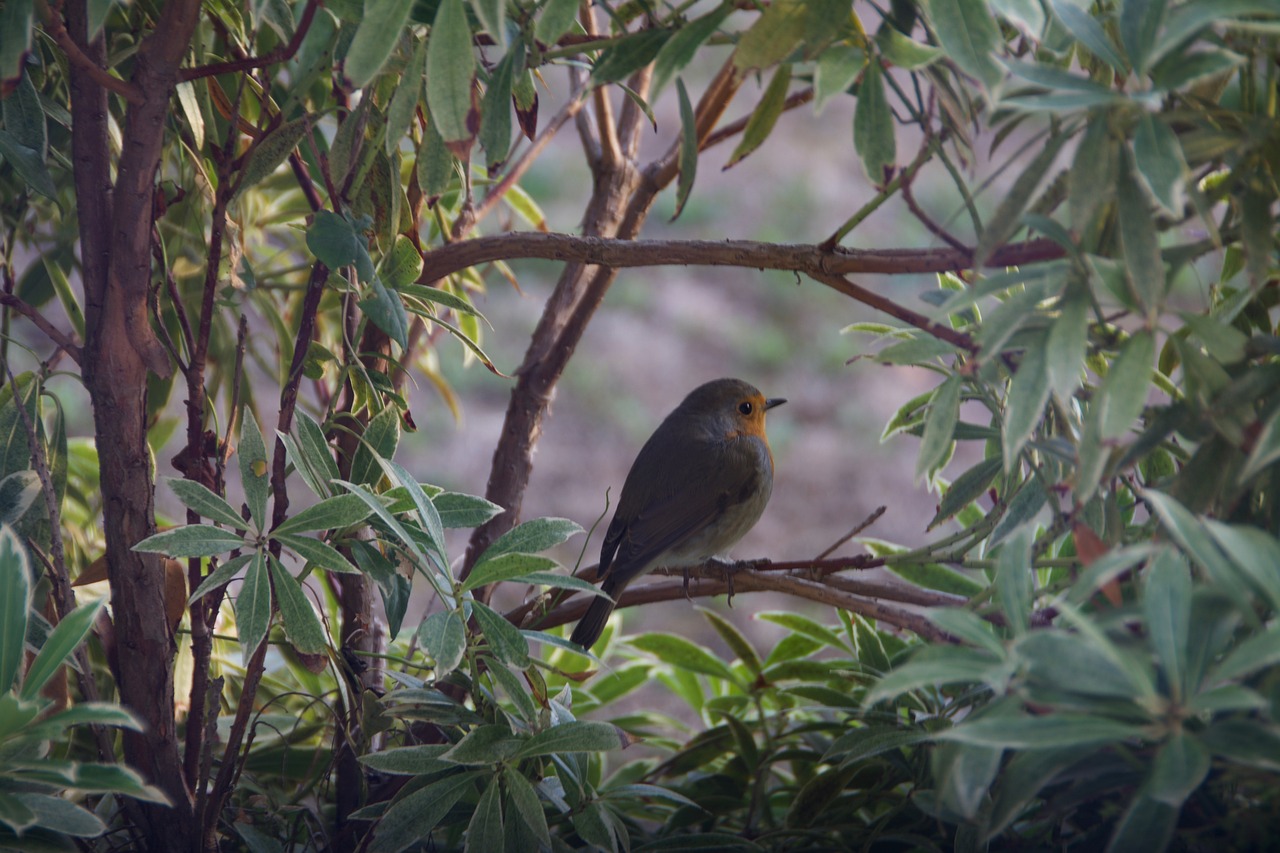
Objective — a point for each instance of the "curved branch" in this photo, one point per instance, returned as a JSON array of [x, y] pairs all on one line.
[[248, 63], [71, 49]]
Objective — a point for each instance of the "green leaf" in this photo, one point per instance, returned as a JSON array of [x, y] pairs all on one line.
[[451, 71], [575, 736], [253, 606], [67, 635], [765, 115], [688, 149], [1008, 216], [255, 470], [1124, 391], [556, 19], [1045, 732], [376, 37], [506, 567], [1067, 345], [873, 133], [679, 50], [776, 33], [438, 296], [193, 540], [387, 312], [314, 453], [408, 760], [435, 163], [1256, 226], [970, 627], [18, 492], [380, 439], [969, 35], [222, 575], [1143, 264], [195, 496], [968, 487], [683, 655], [1088, 32], [413, 816], [1258, 652], [493, 18], [939, 426], [484, 745], [300, 623], [1146, 825], [936, 666], [330, 514], [1013, 578], [1140, 22], [1023, 506], [523, 800], [904, 52], [24, 117], [15, 601], [505, 640], [735, 640], [333, 240], [837, 68], [533, 536], [1255, 554], [486, 832], [29, 165], [17, 21], [444, 637], [629, 54], [459, 510], [1158, 154], [186, 92], [1091, 183], [1025, 402], [271, 151], [495, 121], [1166, 603], [1224, 342], [936, 577], [405, 99], [867, 742], [319, 554], [803, 626]]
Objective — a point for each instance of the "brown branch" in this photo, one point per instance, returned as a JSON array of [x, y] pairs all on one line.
[[248, 63], [925, 219], [78, 58], [65, 342], [893, 309], [712, 580], [799, 257]]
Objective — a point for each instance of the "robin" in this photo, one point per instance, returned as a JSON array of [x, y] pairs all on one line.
[[700, 483]]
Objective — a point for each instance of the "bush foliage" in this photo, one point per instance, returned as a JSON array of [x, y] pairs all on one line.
[[198, 194]]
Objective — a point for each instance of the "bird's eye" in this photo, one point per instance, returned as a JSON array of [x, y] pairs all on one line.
[[746, 407]]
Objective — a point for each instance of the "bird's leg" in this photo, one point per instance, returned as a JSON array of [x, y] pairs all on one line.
[[685, 573], [727, 568]]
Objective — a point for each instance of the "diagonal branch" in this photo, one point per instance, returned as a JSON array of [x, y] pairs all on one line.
[[65, 342]]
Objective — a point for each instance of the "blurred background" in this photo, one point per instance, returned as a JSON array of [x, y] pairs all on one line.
[[663, 330]]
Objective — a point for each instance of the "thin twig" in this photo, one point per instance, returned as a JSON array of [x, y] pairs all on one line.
[[857, 528], [54, 27], [249, 63], [64, 342]]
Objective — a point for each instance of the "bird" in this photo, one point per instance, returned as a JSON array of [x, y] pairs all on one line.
[[700, 482]]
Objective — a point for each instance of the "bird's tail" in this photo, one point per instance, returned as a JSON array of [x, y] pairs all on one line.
[[592, 624]]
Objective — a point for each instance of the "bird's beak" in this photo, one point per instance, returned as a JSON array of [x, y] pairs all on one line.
[[773, 401]]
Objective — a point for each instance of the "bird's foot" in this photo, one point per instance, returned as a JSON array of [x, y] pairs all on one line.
[[727, 568]]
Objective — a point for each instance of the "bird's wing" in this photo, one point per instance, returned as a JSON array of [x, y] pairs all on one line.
[[694, 493]]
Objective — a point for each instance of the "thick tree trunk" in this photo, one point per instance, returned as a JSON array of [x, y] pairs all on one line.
[[120, 348]]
